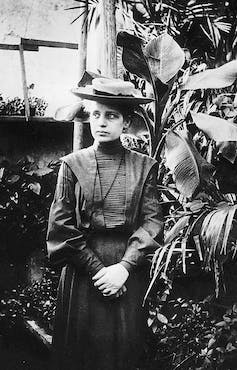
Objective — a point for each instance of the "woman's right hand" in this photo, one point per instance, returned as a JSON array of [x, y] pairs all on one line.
[[110, 280]]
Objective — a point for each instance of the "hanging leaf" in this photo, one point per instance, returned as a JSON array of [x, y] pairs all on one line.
[[68, 112], [217, 228], [212, 233], [169, 256], [176, 229], [165, 57], [136, 62], [196, 239], [184, 243], [87, 78], [189, 169], [228, 226], [155, 268], [216, 128], [133, 58], [215, 78]]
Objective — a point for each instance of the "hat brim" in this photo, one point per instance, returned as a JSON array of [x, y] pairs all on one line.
[[128, 100]]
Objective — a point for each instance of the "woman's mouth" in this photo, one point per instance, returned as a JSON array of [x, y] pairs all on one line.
[[102, 132]]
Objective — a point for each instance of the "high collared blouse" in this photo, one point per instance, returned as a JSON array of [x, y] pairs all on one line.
[[79, 208]]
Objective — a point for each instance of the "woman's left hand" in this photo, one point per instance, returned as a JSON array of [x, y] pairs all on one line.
[[110, 280]]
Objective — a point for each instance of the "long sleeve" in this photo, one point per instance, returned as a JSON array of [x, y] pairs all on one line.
[[149, 234], [65, 242]]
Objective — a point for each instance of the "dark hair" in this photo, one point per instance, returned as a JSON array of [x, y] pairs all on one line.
[[124, 109]]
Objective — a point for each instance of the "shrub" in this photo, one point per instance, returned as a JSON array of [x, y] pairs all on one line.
[[16, 106]]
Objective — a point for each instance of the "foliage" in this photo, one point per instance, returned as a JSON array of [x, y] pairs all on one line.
[[201, 223], [135, 143], [206, 29], [16, 106], [36, 301], [193, 335], [25, 196]]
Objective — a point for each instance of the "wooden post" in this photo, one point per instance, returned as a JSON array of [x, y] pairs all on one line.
[[82, 57], [24, 82], [109, 67]]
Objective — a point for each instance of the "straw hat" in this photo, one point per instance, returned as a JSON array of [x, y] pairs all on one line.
[[111, 91], [104, 90]]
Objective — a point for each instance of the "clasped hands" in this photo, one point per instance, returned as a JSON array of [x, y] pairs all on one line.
[[110, 280]]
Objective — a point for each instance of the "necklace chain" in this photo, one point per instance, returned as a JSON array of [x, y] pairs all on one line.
[[113, 180], [111, 184]]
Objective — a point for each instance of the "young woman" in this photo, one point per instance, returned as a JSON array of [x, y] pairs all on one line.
[[104, 220]]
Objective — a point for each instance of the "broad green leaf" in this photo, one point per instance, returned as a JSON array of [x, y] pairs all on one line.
[[165, 57], [188, 167], [133, 58], [136, 62], [216, 128], [215, 78]]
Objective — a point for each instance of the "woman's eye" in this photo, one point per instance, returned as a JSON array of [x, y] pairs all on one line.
[[112, 116], [96, 115]]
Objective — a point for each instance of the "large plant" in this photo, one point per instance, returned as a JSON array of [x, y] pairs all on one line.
[[192, 133], [190, 125]]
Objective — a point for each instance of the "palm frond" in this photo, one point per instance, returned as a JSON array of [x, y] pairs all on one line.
[[79, 16], [215, 233], [176, 229], [196, 240], [228, 225], [170, 254]]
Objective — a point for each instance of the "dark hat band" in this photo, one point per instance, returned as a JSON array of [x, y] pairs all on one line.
[[97, 92]]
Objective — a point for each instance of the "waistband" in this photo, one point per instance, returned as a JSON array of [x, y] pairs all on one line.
[[108, 231]]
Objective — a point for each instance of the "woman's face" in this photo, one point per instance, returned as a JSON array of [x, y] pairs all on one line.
[[106, 122]]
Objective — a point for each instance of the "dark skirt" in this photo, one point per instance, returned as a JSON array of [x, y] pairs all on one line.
[[93, 332]]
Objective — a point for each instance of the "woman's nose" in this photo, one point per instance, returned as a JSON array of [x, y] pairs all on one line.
[[102, 121]]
